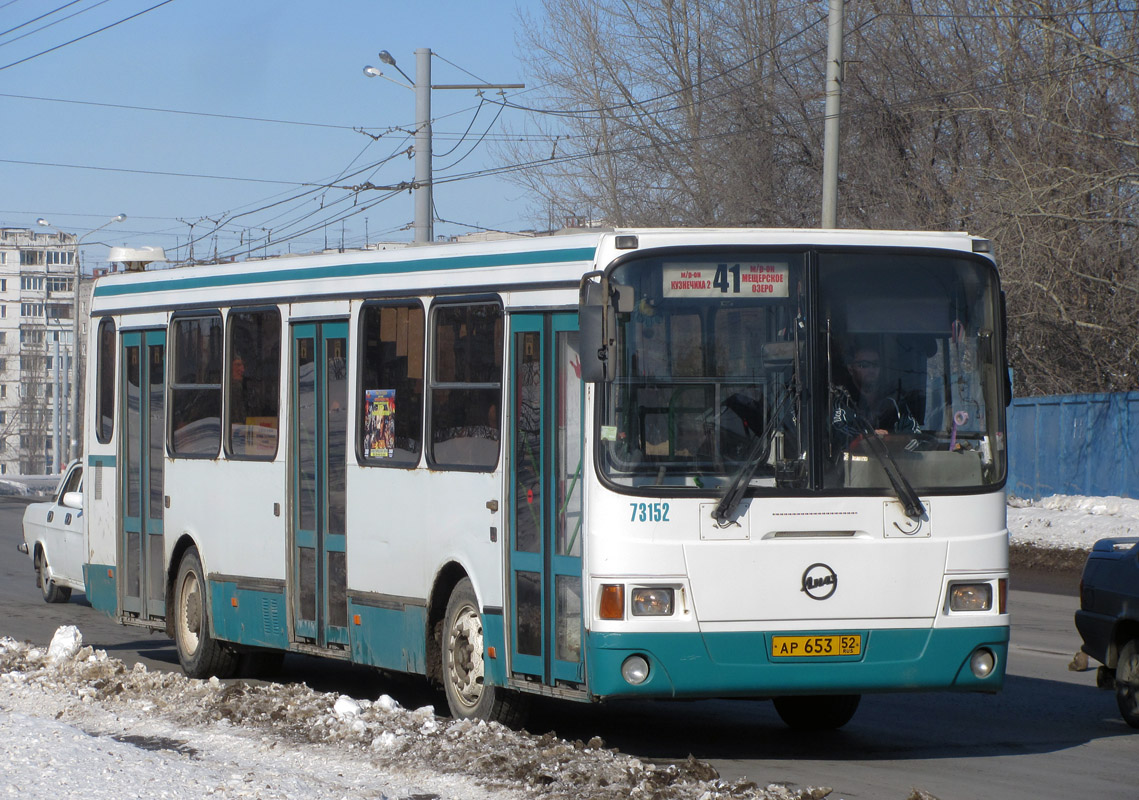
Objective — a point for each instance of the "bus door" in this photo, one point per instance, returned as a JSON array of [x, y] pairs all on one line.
[[318, 463], [546, 396], [141, 551]]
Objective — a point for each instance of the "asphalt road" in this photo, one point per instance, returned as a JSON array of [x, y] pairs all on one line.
[[1049, 734]]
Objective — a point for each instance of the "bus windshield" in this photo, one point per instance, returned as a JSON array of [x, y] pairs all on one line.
[[806, 371]]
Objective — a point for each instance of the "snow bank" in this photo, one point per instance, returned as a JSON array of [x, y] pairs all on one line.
[[76, 723], [1071, 522]]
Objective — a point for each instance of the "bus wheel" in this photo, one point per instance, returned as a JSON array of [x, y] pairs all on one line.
[[52, 593], [817, 712], [199, 653], [1127, 683], [468, 695]]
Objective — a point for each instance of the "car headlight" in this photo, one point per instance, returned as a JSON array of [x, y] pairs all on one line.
[[970, 597], [653, 601]]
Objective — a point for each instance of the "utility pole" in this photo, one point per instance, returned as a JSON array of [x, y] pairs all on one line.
[[424, 217], [833, 103], [424, 223]]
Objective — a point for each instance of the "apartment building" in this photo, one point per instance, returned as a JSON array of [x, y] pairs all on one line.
[[37, 298]]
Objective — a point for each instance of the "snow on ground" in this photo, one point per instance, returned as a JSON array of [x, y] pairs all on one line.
[[75, 723], [1071, 522]]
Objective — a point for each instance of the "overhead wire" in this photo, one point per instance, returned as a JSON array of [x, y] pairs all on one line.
[[86, 35], [53, 23], [37, 19]]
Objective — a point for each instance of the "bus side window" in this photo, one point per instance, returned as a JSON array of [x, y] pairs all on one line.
[[390, 425], [253, 383], [195, 386], [466, 385], [105, 382]]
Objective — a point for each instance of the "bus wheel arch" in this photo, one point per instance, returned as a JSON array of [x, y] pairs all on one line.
[[443, 586], [184, 543], [469, 695], [199, 653]]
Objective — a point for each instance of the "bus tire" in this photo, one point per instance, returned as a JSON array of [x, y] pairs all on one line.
[[199, 653], [468, 696], [1127, 683], [51, 591], [817, 712]]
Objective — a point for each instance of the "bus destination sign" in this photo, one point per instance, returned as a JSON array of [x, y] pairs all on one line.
[[728, 279]]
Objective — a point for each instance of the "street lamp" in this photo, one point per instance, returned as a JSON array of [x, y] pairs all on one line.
[[424, 218], [74, 421]]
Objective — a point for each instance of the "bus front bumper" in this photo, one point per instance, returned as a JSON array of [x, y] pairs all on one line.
[[694, 665]]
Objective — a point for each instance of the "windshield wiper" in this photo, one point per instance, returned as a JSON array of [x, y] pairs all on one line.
[[756, 455], [911, 503]]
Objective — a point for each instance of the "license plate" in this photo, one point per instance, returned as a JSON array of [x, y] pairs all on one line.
[[847, 644]]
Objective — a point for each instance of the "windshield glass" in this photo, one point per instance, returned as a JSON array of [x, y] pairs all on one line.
[[721, 371], [706, 363], [911, 346]]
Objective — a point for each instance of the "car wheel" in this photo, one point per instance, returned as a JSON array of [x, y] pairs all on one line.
[[52, 593], [468, 694], [817, 712], [200, 654], [1127, 683]]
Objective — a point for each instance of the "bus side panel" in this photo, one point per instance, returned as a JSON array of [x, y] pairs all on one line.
[[100, 510], [396, 547], [389, 638], [234, 511], [250, 616]]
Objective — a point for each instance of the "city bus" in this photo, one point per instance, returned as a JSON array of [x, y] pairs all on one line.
[[659, 463]]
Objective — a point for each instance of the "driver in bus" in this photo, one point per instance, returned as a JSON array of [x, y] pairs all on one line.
[[865, 398]]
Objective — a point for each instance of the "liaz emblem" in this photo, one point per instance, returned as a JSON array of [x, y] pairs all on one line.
[[819, 581]]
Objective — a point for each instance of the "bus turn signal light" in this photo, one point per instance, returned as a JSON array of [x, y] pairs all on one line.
[[612, 601]]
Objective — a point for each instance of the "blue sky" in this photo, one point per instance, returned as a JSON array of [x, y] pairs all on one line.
[[279, 60]]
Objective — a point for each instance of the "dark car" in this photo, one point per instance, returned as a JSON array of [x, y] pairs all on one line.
[[1108, 619]]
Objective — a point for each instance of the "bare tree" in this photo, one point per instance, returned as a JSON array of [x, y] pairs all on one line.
[[1014, 119]]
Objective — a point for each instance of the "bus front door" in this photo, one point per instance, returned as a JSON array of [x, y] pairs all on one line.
[[143, 364], [546, 399], [318, 459]]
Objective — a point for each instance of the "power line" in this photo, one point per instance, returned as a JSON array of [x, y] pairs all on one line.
[[87, 35], [180, 111], [37, 19], [152, 172], [51, 24]]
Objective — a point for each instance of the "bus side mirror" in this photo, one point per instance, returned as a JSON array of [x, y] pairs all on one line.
[[592, 313], [599, 301], [594, 352]]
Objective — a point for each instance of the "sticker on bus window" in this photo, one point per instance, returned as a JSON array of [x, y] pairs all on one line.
[[754, 279], [379, 424]]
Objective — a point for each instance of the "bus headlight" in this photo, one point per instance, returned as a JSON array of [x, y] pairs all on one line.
[[970, 597], [635, 670], [652, 602]]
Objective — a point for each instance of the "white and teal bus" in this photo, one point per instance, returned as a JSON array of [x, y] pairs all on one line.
[[628, 464]]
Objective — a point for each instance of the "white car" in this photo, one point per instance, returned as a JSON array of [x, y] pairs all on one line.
[[53, 537]]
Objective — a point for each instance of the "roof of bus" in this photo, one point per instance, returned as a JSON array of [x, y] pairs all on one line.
[[535, 261]]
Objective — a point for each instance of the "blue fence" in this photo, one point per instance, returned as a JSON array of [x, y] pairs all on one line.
[[1084, 444]]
